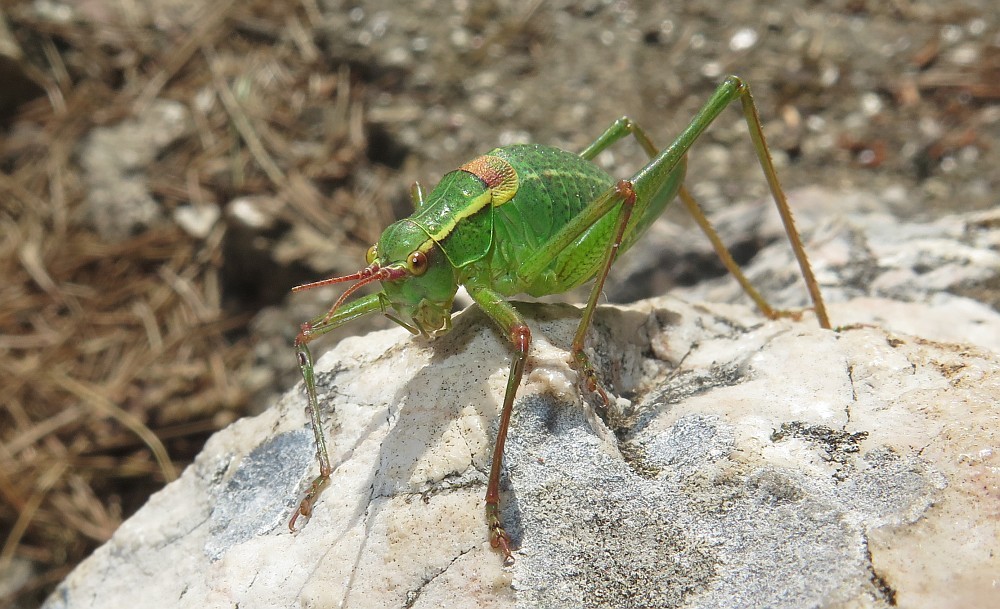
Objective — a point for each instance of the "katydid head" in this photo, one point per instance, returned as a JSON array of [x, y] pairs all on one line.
[[423, 293], [418, 282]]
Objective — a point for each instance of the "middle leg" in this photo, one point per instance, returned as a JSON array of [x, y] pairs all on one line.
[[501, 312]]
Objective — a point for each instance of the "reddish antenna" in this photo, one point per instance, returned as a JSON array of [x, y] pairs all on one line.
[[363, 277]]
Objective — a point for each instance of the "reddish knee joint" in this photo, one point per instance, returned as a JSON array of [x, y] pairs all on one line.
[[626, 190], [304, 336], [520, 335]]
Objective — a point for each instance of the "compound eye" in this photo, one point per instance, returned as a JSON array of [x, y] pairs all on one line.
[[416, 263], [372, 254]]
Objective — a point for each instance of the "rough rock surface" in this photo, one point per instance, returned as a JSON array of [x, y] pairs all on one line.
[[747, 463]]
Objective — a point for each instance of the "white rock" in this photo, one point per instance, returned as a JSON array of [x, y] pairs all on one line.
[[754, 463], [197, 220], [779, 465], [921, 274]]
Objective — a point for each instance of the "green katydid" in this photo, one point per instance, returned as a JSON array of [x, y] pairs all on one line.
[[528, 219]]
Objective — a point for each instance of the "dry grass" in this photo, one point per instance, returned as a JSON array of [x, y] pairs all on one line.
[[119, 357]]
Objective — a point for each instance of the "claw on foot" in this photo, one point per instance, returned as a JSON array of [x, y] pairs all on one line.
[[789, 314], [582, 363], [306, 506], [499, 539]]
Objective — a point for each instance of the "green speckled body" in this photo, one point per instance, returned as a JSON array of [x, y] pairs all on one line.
[[554, 186]]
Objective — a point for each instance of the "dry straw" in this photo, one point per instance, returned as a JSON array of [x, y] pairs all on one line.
[[118, 357]]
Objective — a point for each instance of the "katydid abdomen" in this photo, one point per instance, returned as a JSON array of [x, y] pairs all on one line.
[[553, 187]]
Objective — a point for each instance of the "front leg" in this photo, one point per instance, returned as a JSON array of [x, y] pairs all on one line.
[[501, 312], [309, 331]]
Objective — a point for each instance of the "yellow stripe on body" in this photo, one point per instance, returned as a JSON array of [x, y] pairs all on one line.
[[500, 180]]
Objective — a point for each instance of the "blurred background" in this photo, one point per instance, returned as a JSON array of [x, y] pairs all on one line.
[[169, 170]]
